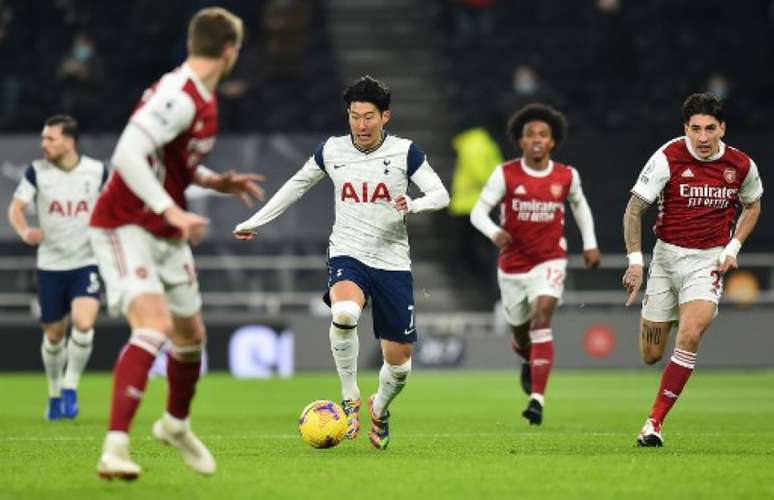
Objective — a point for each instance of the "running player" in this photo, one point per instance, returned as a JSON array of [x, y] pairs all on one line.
[[139, 230], [369, 248], [699, 182], [531, 192], [63, 186]]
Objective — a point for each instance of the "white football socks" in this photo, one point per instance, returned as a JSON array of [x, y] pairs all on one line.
[[392, 378], [345, 346], [54, 358], [78, 352]]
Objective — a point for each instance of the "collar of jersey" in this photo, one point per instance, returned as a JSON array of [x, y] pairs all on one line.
[[721, 151], [369, 150], [537, 173], [203, 90]]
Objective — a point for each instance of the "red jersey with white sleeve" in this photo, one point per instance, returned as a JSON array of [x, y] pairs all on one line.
[[698, 198], [179, 115], [532, 211]]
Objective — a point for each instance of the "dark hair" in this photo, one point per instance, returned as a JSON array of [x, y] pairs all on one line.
[[704, 103], [213, 29], [537, 112], [368, 89], [68, 123]]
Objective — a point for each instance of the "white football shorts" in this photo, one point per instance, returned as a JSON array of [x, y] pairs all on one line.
[[132, 262], [679, 275], [519, 291]]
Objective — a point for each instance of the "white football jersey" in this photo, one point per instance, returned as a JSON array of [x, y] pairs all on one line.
[[367, 226], [63, 202]]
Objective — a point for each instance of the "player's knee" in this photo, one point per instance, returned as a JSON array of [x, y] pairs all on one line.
[[400, 372], [55, 332], [82, 324], [345, 314]]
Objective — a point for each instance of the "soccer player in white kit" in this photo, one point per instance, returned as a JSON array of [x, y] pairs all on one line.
[[139, 230], [699, 182], [63, 186], [369, 249]]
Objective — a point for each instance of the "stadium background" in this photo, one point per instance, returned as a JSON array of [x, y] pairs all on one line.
[[618, 69]]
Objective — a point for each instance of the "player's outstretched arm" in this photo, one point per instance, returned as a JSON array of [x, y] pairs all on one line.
[[435, 196], [632, 223], [243, 186], [491, 195], [309, 175], [30, 235], [744, 227]]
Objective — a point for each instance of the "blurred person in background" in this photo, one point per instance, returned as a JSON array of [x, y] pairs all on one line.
[[63, 186], [81, 80], [140, 230], [699, 182], [531, 192]]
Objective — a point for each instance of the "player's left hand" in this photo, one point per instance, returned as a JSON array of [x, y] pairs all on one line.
[[728, 264], [591, 258], [401, 204], [244, 234], [243, 186]]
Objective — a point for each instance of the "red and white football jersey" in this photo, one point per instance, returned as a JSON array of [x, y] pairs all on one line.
[[698, 198], [180, 115], [532, 211]]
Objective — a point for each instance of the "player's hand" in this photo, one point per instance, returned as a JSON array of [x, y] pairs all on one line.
[[591, 258], [502, 239], [728, 264], [243, 186], [632, 281], [32, 236], [401, 204], [191, 226]]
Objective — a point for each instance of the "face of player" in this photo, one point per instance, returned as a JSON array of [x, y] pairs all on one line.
[[54, 144], [366, 123], [705, 133], [536, 142]]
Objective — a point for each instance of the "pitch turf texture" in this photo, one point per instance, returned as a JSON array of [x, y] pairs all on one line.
[[455, 435]]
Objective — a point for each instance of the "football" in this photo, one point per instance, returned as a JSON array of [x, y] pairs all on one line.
[[322, 424]]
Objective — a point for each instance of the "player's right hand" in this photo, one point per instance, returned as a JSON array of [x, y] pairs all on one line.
[[191, 226], [502, 239], [632, 281], [32, 236]]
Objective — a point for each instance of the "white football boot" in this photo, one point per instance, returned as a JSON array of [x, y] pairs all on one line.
[[650, 435], [175, 432], [115, 461]]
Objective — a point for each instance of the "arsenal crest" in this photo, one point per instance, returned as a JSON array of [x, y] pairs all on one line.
[[729, 175], [556, 190]]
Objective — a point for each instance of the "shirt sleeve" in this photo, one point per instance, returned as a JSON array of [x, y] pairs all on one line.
[[309, 175], [165, 115], [752, 187], [491, 195], [435, 196], [581, 212], [653, 178], [28, 186]]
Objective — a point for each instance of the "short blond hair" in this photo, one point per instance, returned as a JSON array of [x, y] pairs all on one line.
[[213, 29]]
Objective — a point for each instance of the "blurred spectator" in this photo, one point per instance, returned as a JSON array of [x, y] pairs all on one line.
[[526, 87], [474, 20], [82, 81], [718, 85], [285, 28], [477, 156]]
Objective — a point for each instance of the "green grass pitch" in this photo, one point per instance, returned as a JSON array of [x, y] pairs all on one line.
[[455, 435]]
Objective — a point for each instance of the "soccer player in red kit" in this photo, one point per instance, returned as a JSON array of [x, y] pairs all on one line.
[[531, 192], [699, 182], [139, 232]]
